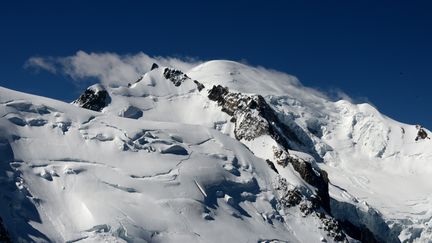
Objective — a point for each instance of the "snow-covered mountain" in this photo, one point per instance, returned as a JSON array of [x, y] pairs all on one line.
[[223, 152]]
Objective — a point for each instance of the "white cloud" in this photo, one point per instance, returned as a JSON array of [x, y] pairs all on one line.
[[113, 69], [109, 68], [40, 63]]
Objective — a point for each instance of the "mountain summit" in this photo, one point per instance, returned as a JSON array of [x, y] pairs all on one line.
[[222, 152]]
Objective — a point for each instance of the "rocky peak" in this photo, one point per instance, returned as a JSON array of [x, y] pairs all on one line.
[[93, 98]]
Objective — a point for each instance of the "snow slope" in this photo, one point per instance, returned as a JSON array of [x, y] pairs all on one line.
[[70, 174], [163, 161]]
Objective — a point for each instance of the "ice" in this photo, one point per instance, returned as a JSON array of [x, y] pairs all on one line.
[[175, 172]]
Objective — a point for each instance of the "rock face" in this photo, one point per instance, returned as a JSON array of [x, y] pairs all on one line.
[[253, 117], [272, 166], [254, 111], [94, 100], [154, 66], [177, 77], [421, 134], [199, 85], [320, 181], [289, 198]]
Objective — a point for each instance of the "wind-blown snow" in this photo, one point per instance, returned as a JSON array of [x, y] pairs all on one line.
[[160, 163], [88, 176]]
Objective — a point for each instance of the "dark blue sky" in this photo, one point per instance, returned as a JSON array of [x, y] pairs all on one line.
[[381, 51]]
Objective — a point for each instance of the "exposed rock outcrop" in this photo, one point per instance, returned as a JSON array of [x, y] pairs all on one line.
[[421, 134], [272, 166], [154, 66], [177, 77], [309, 207], [313, 176], [253, 117], [93, 99], [254, 110], [199, 85]]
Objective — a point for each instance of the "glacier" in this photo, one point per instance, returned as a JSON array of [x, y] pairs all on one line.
[[220, 152]]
